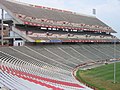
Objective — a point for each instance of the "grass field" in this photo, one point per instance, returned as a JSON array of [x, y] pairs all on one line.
[[102, 76]]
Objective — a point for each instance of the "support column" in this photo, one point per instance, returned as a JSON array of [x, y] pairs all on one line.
[[13, 32], [2, 15]]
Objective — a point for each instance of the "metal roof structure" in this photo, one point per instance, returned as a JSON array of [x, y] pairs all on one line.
[[49, 17]]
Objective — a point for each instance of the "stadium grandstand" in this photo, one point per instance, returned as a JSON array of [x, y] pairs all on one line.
[[42, 47]]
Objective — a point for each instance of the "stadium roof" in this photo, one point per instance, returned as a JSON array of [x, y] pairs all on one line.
[[50, 17]]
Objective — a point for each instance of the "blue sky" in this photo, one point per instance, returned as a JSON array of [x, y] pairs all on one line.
[[107, 10]]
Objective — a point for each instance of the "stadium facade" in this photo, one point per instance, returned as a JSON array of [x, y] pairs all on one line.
[[44, 66]]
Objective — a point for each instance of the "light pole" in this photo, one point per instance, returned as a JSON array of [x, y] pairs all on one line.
[[114, 59]]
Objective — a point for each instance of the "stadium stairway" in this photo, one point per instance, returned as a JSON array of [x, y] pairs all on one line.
[[23, 35]]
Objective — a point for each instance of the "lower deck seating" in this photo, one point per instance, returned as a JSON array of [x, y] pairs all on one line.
[[49, 66]]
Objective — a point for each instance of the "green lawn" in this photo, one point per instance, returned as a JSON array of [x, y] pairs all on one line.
[[103, 76]]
